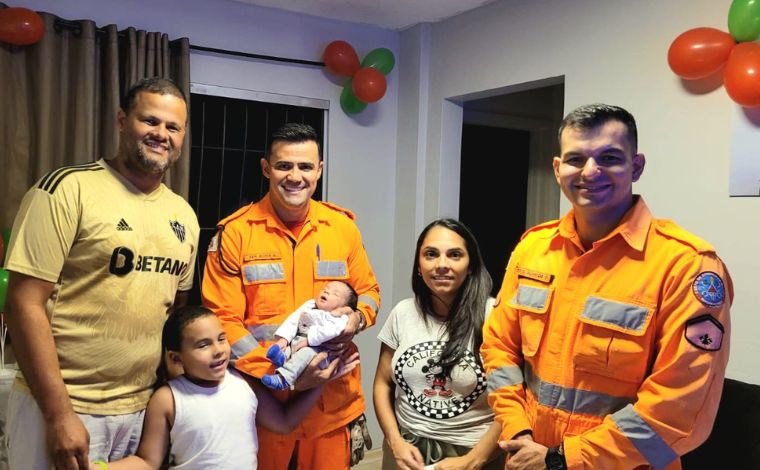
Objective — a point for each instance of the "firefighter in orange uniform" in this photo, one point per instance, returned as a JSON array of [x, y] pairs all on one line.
[[608, 346], [267, 259]]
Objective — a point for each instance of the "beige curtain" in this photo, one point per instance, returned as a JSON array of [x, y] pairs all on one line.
[[59, 99]]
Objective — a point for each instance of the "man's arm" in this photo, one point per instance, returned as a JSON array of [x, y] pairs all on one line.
[[676, 404], [154, 443], [223, 293], [363, 280], [282, 418], [67, 440], [503, 360], [406, 455]]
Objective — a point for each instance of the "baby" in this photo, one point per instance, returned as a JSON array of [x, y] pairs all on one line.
[[313, 323]]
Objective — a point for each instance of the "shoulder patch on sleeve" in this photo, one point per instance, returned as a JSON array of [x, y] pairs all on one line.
[[709, 289], [704, 332], [337, 208], [670, 229], [213, 244]]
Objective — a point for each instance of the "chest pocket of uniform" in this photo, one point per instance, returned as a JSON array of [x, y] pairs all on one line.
[[533, 302], [614, 339], [327, 270], [265, 286]]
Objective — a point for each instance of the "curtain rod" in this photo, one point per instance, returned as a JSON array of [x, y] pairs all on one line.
[[74, 26], [257, 56]]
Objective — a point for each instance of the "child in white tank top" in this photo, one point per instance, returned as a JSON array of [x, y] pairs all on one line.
[[207, 417]]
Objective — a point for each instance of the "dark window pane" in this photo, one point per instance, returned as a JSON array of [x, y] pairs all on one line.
[[254, 183], [213, 124], [257, 128], [234, 132], [209, 190], [196, 157], [196, 118], [229, 199]]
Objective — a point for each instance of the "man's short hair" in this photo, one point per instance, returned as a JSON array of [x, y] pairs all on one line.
[[294, 133], [158, 85], [593, 115]]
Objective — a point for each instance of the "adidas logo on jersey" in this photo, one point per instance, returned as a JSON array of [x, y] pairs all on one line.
[[123, 226]]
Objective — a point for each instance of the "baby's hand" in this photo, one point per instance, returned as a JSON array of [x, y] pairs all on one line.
[[295, 346], [340, 311]]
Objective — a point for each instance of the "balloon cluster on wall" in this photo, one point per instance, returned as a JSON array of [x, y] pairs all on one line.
[[20, 26], [700, 52], [366, 80]]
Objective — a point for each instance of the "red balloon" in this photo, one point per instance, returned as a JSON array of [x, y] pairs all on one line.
[[369, 84], [20, 26], [699, 52], [341, 59], [742, 74]]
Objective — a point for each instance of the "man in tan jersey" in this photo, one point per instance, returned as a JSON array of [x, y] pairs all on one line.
[[98, 255]]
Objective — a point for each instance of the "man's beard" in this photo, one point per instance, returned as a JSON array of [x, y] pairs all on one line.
[[145, 164]]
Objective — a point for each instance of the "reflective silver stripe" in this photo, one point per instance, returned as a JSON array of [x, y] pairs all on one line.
[[573, 400], [626, 316], [369, 301], [331, 268], [263, 332], [264, 272], [504, 377], [243, 346], [532, 297], [644, 438]]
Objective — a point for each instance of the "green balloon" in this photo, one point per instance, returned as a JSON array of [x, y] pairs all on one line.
[[744, 20], [381, 59], [3, 288], [349, 102]]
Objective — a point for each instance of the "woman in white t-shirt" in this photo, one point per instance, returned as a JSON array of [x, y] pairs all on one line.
[[430, 387]]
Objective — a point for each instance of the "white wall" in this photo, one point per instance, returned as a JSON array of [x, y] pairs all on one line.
[[611, 51], [362, 149]]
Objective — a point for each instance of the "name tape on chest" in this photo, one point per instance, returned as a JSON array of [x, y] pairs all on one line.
[[533, 274]]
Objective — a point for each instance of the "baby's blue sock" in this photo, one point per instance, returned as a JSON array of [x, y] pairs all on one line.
[[275, 354], [275, 381]]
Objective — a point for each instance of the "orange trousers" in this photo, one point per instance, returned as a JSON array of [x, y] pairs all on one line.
[[329, 451]]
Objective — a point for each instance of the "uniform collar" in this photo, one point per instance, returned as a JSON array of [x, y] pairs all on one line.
[[633, 228], [264, 211]]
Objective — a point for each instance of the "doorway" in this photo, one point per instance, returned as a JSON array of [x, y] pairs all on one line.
[[508, 141]]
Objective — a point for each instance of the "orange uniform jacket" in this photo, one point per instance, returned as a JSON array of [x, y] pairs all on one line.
[[257, 273], [617, 352]]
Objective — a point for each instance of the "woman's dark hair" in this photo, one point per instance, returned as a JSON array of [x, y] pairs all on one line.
[[171, 335], [465, 320]]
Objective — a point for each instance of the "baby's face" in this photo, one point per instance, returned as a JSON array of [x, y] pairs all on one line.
[[333, 295]]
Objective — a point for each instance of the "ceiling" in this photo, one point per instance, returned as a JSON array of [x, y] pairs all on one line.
[[389, 14]]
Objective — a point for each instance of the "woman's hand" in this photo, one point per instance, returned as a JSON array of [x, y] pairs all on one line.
[[407, 456]]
